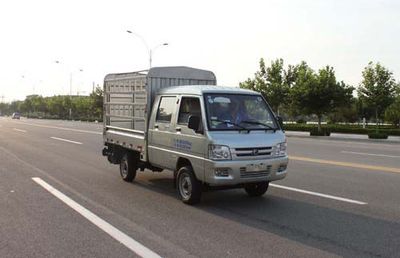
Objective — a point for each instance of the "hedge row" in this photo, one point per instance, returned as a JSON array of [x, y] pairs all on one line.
[[350, 129], [55, 117], [377, 135]]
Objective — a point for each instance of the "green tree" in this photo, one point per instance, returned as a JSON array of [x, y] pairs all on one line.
[[26, 106], [38, 104], [15, 106], [272, 82], [97, 103], [363, 110], [377, 88], [4, 108], [59, 106], [81, 107], [392, 113], [318, 93], [346, 114]]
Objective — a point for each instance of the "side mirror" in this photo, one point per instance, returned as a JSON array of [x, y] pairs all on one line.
[[194, 123], [280, 121]]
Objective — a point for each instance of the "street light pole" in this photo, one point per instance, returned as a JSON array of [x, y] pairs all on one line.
[[70, 97], [150, 51], [154, 49], [70, 90], [70, 93], [150, 57]]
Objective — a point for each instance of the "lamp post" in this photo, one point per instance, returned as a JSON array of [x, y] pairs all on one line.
[[150, 51], [70, 92], [27, 83], [70, 88]]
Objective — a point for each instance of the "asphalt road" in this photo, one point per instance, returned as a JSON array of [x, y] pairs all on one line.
[[341, 198]]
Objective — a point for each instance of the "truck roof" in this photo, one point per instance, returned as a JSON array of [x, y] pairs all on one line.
[[201, 89], [182, 72]]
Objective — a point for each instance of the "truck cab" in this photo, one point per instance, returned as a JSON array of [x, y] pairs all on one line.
[[227, 137]]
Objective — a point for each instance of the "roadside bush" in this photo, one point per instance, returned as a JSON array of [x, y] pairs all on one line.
[[377, 135], [324, 132], [298, 127], [350, 129]]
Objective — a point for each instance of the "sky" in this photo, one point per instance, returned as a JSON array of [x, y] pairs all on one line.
[[45, 44]]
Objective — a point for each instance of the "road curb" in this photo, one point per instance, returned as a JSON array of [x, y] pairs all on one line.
[[345, 139]]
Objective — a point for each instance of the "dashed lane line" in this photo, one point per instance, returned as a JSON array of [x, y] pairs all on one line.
[[61, 128], [65, 140], [115, 233], [19, 130], [337, 198]]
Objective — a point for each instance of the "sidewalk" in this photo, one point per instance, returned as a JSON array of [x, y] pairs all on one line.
[[343, 137]]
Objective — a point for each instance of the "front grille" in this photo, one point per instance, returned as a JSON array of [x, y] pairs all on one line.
[[254, 174], [253, 152]]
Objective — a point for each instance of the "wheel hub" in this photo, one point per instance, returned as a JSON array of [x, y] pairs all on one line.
[[124, 169], [185, 186]]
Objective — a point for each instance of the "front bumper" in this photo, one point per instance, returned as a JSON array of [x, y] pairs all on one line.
[[245, 171]]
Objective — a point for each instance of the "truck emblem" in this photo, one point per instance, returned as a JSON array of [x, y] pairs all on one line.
[[255, 152]]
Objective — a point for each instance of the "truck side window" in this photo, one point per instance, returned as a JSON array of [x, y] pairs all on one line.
[[165, 109], [189, 107]]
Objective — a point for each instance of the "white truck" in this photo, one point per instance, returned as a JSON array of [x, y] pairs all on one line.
[[211, 137]]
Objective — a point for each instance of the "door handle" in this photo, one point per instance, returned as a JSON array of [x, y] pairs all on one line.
[[155, 126], [178, 129]]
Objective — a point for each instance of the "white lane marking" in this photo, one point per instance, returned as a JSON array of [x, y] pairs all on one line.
[[19, 130], [162, 243], [319, 194], [345, 143], [118, 235], [64, 140], [369, 154], [61, 128]]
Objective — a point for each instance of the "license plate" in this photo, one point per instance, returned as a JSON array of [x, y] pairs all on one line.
[[256, 167]]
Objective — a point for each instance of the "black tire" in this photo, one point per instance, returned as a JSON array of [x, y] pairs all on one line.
[[128, 167], [189, 188], [256, 189]]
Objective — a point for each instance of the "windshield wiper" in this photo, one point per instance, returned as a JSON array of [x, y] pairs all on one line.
[[259, 123], [229, 122]]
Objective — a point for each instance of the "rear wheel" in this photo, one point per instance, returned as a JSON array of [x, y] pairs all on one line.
[[128, 167], [189, 188], [256, 189]]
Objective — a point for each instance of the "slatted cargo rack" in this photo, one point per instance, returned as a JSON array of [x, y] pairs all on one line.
[[128, 98], [125, 101]]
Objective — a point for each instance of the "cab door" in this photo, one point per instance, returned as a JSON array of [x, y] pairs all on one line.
[[161, 131], [189, 143]]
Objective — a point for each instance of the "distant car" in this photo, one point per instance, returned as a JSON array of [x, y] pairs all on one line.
[[16, 115]]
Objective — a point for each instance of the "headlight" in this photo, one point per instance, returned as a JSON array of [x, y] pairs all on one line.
[[280, 149], [219, 152]]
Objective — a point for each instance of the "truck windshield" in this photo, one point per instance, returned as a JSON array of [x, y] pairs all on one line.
[[238, 112]]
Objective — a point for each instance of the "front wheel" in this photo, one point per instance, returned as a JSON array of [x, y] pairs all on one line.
[[189, 188], [256, 189], [128, 167]]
